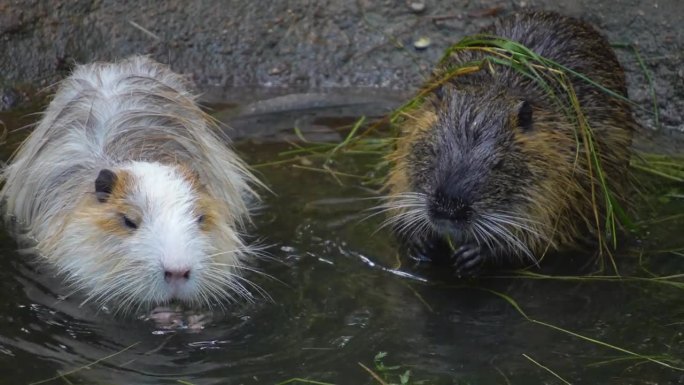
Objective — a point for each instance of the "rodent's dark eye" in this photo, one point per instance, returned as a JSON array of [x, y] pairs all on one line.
[[129, 223], [200, 219], [525, 116]]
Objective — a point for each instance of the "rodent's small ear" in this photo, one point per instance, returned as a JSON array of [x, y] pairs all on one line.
[[525, 115], [104, 184], [439, 93], [436, 98]]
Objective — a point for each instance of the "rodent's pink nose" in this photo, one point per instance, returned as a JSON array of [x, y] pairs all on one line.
[[171, 275]]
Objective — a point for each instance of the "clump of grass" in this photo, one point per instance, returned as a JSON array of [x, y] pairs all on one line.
[[381, 373], [663, 361], [546, 369], [295, 381], [326, 157], [672, 281], [668, 167], [389, 375]]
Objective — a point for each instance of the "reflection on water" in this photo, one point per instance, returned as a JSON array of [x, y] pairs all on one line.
[[336, 301]]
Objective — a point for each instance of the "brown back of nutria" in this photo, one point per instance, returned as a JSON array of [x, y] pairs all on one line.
[[491, 164]]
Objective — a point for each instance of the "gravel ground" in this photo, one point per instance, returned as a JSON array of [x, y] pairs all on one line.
[[307, 45]]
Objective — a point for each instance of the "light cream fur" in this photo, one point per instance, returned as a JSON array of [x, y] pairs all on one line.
[[132, 116]]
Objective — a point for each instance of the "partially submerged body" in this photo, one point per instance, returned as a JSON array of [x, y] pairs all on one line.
[[127, 189], [491, 163]]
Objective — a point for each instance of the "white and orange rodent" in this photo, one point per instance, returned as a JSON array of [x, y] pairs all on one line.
[[127, 189]]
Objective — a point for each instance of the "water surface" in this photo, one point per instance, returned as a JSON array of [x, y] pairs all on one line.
[[338, 297]]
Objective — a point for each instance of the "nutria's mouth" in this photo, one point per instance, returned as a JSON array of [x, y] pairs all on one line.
[[457, 231]]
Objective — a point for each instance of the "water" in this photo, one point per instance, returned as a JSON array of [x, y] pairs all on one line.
[[337, 299]]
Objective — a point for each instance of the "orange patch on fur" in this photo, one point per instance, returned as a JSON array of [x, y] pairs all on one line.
[[210, 210], [109, 214], [205, 206], [418, 122]]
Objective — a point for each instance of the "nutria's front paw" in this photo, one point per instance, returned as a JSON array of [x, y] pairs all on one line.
[[467, 260], [167, 318], [432, 250]]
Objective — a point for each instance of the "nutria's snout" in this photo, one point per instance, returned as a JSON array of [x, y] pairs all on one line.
[[178, 282], [176, 276], [453, 210], [449, 212]]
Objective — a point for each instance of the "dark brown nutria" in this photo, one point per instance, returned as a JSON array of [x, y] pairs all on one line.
[[492, 164]]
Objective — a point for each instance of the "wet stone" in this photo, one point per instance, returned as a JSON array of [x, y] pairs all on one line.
[[417, 6], [422, 43]]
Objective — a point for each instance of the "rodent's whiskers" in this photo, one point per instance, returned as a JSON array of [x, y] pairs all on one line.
[[409, 214], [220, 282], [393, 203], [251, 269], [129, 292], [480, 231], [236, 277], [498, 228], [517, 220]]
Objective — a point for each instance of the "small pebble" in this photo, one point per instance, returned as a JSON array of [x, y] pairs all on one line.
[[422, 43], [277, 70], [417, 6]]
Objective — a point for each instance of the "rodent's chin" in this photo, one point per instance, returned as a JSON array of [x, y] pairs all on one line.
[[132, 273]]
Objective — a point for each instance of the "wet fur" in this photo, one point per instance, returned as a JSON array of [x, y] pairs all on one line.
[[129, 117], [528, 187]]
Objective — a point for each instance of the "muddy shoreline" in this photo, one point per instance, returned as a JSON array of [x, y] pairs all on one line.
[[312, 46]]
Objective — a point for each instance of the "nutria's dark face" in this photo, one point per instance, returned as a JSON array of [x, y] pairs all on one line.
[[470, 166]]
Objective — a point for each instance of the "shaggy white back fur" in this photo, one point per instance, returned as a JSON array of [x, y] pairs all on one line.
[[186, 190]]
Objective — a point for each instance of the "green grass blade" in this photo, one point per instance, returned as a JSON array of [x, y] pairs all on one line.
[[517, 307]]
